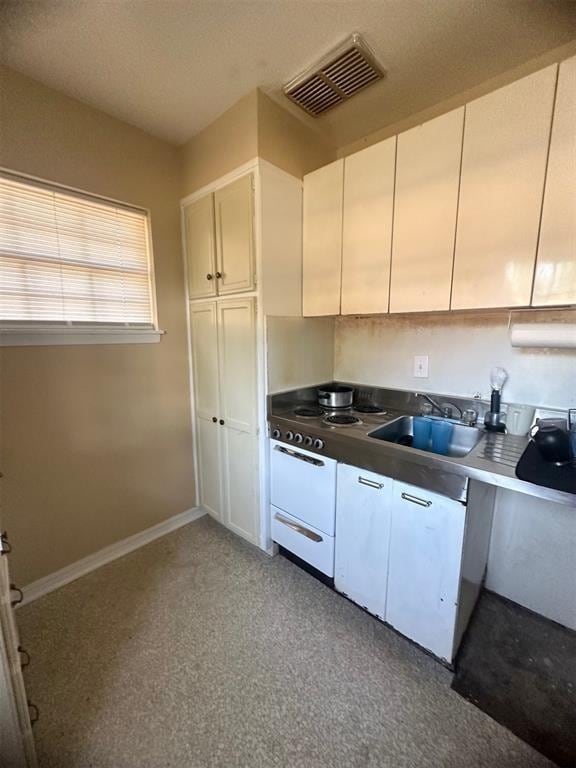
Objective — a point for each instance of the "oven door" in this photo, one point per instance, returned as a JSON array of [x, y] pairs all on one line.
[[303, 484]]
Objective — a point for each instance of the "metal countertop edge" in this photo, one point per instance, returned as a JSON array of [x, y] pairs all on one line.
[[472, 466]]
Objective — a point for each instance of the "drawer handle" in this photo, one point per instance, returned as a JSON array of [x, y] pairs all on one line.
[[301, 456], [298, 528], [416, 500], [370, 483]]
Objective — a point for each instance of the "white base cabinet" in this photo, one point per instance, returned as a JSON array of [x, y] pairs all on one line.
[[363, 516], [424, 567], [413, 558]]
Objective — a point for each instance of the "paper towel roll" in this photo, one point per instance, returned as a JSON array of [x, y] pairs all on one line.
[[559, 335]]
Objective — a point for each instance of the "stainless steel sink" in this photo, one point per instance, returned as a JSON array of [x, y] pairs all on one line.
[[401, 431]]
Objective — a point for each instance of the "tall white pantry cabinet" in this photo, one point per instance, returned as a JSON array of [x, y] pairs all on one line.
[[242, 239]]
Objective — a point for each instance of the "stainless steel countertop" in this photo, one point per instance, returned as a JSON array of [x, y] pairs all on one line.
[[353, 444]]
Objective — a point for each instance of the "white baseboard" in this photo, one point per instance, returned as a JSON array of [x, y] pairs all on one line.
[[81, 567]]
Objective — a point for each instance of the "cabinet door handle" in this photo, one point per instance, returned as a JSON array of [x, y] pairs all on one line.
[[221, 422], [214, 419], [34, 713], [298, 528], [416, 500], [209, 276], [218, 275], [26, 660], [370, 483], [14, 588], [300, 456], [5, 546]]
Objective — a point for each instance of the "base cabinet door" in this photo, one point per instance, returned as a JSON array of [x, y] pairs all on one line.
[[427, 535], [208, 435], [363, 515], [239, 455], [237, 414], [204, 335]]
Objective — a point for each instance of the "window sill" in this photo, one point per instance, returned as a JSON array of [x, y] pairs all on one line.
[[47, 337]]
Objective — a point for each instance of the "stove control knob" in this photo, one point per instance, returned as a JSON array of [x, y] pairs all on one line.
[[289, 435], [298, 437], [308, 441], [276, 434], [318, 444]]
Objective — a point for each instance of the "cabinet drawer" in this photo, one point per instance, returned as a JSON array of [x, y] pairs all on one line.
[[304, 485], [306, 542]]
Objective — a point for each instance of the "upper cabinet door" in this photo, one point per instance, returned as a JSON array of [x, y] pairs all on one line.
[[322, 254], [555, 280], [234, 209], [199, 245], [426, 204], [506, 138], [367, 228]]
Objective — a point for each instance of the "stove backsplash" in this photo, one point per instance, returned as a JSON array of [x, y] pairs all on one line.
[[394, 399]]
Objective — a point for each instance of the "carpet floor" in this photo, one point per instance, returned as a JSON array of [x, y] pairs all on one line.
[[199, 651]]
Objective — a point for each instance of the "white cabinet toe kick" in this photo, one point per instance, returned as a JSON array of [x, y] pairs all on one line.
[[413, 558]]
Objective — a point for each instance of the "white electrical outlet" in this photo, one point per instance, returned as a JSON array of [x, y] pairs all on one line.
[[421, 366]]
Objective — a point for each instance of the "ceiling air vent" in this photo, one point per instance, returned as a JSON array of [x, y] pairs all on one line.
[[341, 74]]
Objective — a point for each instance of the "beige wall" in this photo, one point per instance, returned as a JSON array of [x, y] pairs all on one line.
[[96, 439], [230, 141], [253, 126], [286, 142], [416, 118]]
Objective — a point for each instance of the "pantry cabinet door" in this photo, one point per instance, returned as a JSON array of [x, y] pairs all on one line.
[[363, 514], [555, 279], [198, 222], [367, 228], [238, 395], [426, 540], [322, 240], [426, 203], [235, 256], [203, 331], [237, 354], [506, 138]]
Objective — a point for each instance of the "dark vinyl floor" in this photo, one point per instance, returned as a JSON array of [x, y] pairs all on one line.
[[520, 669]]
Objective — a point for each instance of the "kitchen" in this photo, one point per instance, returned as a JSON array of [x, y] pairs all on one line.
[[360, 340]]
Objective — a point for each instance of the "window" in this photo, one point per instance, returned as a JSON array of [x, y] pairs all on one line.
[[69, 262]]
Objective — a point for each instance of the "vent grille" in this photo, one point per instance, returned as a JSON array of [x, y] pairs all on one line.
[[343, 73]]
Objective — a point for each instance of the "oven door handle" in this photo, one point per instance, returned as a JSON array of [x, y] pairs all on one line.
[[300, 456], [298, 528]]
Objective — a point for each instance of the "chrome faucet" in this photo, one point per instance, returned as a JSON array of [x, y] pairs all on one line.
[[445, 410]]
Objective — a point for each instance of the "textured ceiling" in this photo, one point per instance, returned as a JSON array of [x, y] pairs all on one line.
[[172, 66]]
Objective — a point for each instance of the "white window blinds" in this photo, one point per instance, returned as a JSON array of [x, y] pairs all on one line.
[[69, 259]]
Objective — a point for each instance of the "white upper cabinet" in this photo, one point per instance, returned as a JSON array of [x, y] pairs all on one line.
[[198, 222], [555, 279], [425, 208], [219, 241], [367, 228], [506, 139], [234, 212], [322, 240]]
